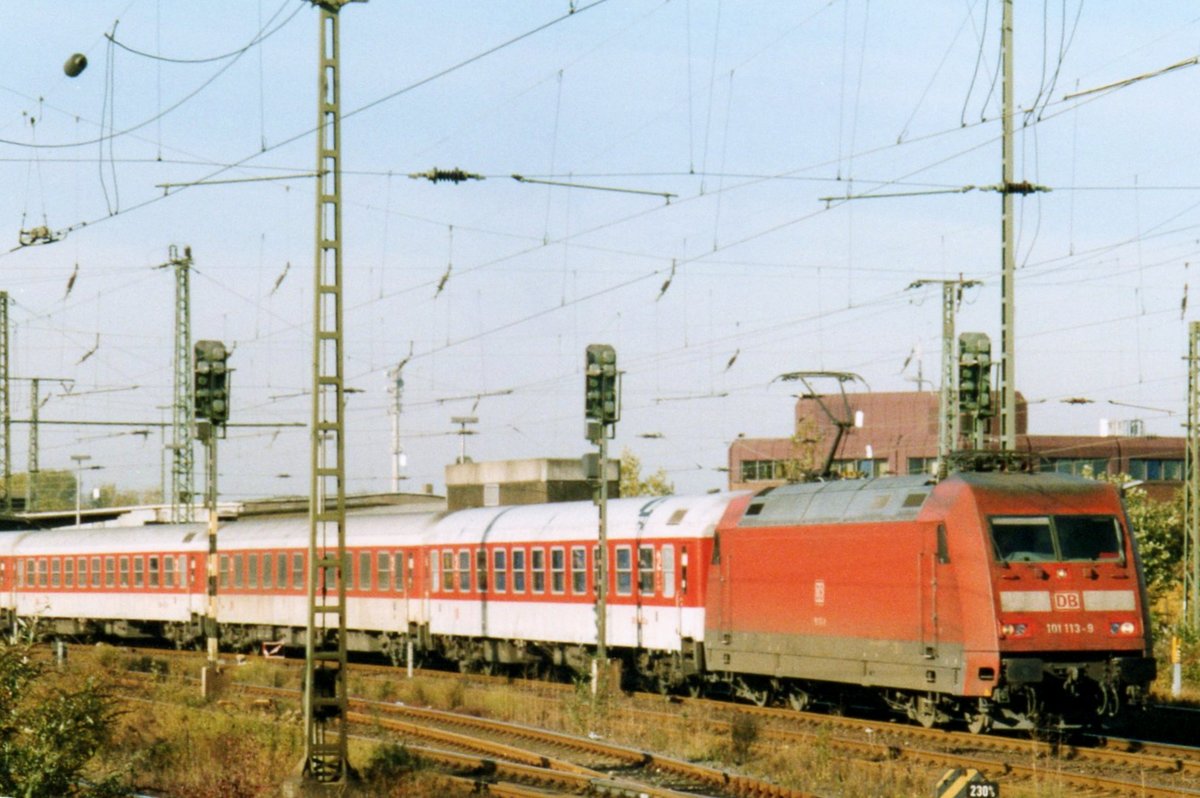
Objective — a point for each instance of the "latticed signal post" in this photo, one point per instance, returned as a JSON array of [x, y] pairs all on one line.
[[5, 408], [602, 410], [326, 759], [211, 392], [975, 382], [182, 463], [1191, 531]]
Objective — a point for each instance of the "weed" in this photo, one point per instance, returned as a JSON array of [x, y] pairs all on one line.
[[743, 732]]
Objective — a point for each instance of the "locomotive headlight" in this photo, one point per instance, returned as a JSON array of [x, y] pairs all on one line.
[[1126, 628], [1014, 629]]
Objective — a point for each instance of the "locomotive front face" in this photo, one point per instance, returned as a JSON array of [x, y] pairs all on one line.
[[1067, 593]]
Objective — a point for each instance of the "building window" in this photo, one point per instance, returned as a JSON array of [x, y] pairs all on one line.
[[761, 470], [1156, 468], [1078, 466], [860, 468], [922, 465]]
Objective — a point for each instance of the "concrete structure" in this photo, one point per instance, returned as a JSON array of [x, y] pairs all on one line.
[[897, 433], [535, 481]]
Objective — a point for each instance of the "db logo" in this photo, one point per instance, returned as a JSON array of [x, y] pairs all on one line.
[[1067, 601]]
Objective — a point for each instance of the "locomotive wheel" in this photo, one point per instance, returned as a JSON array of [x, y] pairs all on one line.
[[979, 722], [924, 711], [799, 700]]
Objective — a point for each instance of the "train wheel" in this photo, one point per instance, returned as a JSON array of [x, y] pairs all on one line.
[[979, 722], [924, 711]]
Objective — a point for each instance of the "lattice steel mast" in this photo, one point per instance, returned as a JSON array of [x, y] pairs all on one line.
[[325, 752], [183, 474], [1191, 513], [5, 408]]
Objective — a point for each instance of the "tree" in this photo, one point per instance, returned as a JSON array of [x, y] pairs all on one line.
[[50, 731], [1158, 526], [632, 484]]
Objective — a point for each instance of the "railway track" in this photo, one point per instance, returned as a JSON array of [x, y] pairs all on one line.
[[1093, 766]]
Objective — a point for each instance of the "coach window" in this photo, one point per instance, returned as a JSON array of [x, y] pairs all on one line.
[[42, 572], [298, 571], [578, 570], [646, 570], [668, 570], [518, 570], [481, 570], [268, 570], [95, 574], [364, 570], [239, 570], [281, 571], [464, 571], [539, 570], [225, 570], [398, 568], [152, 569], [251, 570], [168, 571], [383, 570], [500, 570], [123, 566], [68, 572], [139, 567], [55, 568], [624, 571], [448, 571], [434, 572], [30, 573], [558, 570], [110, 571]]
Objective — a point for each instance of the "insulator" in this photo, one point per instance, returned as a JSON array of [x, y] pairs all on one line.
[[75, 65]]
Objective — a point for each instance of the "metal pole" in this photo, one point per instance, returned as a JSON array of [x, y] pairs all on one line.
[[79, 459], [1008, 378], [210, 502], [31, 479], [5, 409], [182, 463], [602, 592]]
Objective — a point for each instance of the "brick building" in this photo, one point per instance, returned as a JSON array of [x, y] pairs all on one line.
[[897, 433]]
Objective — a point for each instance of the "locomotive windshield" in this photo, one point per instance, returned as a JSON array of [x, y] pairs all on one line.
[[1057, 538]]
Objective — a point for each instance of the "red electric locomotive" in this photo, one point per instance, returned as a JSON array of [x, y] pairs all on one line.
[[1004, 600]]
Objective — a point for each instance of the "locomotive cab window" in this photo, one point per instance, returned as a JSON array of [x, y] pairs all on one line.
[[1059, 538]]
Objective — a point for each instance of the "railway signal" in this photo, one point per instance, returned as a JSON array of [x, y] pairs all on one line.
[[601, 410], [975, 381], [602, 404], [211, 382]]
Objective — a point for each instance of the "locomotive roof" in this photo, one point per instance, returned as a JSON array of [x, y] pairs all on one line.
[[881, 499]]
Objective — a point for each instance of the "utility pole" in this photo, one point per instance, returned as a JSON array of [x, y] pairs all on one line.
[[1008, 375], [5, 408], [182, 462], [948, 426], [326, 758]]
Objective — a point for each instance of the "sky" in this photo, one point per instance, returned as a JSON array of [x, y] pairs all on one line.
[[731, 191]]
